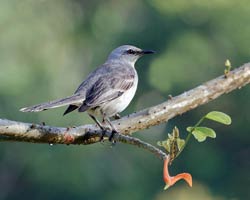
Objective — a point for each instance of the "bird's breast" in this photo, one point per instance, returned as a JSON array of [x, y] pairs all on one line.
[[119, 104]]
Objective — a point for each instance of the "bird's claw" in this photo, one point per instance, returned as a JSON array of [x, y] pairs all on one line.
[[104, 131], [111, 137]]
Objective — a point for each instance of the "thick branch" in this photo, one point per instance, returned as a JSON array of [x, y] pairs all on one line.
[[18, 131], [88, 134]]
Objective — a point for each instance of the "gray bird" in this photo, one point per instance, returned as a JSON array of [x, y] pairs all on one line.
[[106, 91]]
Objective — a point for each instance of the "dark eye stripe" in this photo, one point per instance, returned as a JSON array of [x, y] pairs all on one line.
[[130, 51]]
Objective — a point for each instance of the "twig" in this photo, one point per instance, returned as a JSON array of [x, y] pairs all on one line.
[[139, 143]]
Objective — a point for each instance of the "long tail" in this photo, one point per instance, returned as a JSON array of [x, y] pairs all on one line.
[[75, 99]]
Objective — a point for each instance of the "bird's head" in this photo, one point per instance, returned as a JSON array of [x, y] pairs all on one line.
[[128, 53]]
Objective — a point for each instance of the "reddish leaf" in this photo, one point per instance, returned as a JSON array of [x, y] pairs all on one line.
[[171, 180]]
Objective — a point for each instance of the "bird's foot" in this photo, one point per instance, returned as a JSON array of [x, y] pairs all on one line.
[[104, 132], [111, 137]]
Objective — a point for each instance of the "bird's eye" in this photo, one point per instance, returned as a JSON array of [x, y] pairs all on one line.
[[130, 51]]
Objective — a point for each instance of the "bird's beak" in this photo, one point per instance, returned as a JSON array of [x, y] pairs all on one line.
[[147, 51]]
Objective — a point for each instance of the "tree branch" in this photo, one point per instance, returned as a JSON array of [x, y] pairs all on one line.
[[25, 132], [88, 134]]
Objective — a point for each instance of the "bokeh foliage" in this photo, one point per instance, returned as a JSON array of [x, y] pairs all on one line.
[[48, 47]]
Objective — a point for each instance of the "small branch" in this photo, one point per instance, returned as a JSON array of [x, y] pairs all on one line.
[[88, 134], [139, 143]]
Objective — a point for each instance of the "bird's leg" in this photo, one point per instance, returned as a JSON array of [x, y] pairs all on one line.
[[100, 126], [114, 131], [97, 122]]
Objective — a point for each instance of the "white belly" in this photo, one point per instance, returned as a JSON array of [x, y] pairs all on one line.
[[122, 102], [119, 104]]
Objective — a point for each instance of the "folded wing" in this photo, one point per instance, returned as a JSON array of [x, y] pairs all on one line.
[[106, 89]]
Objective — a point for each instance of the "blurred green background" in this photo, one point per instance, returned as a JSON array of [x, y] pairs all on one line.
[[48, 47]]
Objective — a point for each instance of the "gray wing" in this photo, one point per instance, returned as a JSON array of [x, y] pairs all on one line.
[[107, 88], [88, 84]]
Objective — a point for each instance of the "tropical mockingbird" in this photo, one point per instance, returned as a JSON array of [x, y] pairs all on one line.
[[106, 91]]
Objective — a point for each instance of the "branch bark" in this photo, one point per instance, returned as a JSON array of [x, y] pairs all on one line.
[[88, 134]]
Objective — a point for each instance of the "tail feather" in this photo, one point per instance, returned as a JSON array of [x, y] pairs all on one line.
[[75, 99], [70, 109]]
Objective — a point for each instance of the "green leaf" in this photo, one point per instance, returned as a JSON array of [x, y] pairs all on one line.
[[219, 117], [165, 144], [201, 133], [180, 143], [190, 128]]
